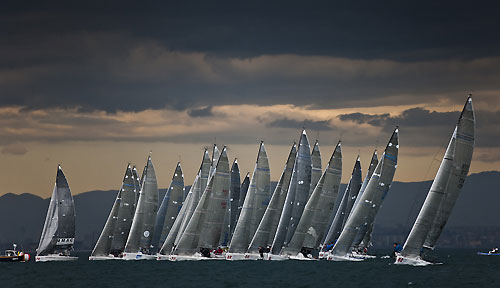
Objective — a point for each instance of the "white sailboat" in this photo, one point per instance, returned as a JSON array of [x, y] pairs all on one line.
[[58, 234], [138, 246], [253, 209], [444, 191], [111, 242], [369, 203], [203, 231]]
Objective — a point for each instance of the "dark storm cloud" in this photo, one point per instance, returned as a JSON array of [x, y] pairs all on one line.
[[202, 112], [132, 56], [307, 124], [427, 127]]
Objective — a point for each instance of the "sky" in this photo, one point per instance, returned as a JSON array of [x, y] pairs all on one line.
[[94, 86]]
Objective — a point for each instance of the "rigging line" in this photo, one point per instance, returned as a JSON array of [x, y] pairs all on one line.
[[415, 200]]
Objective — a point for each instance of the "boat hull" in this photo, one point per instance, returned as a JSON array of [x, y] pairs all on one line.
[[401, 260], [17, 258], [274, 257], [301, 257], [241, 256], [363, 256], [348, 257], [50, 258], [488, 254], [101, 258], [138, 256]]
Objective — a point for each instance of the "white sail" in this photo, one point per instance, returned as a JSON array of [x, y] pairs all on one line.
[[445, 187], [234, 196], [316, 170], [58, 234], [318, 209], [255, 204], [205, 226], [371, 200], [266, 230], [296, 197], [169, 208], [140, 236]]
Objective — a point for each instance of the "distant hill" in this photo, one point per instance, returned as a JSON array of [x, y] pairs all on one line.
[[22, 216]]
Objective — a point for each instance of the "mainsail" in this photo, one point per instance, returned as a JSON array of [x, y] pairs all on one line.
[[348, 198], [310, 228], [296, 197], [243, 194], [205, 226], [372, 198], [140, 236], [364, 234], [446, 186], [116, 225], [255, 204], [58, 234], [316, 170], [234, 196], [267, 227], [169, 208]]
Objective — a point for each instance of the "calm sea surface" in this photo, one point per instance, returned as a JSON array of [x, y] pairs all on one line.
[[460, 268]]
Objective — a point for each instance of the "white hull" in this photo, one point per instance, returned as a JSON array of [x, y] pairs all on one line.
[[347, 257], [323, 255], [301, 257], [363, 256], [195, 257], [138, 256], [100, 258], [274, 257], [161, 257], [50, 258], [401, 260], [241, 256]]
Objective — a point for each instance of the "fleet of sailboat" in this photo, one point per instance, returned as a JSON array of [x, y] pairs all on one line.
[[221, 217]]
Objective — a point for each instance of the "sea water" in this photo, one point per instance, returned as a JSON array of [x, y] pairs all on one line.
[[459, 268]]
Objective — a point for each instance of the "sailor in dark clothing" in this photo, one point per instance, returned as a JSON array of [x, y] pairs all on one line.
[[397, 248], [261, 251]]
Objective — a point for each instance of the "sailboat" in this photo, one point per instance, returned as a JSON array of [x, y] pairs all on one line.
[[169, 208], [255, 204], [317, 212], [187, 209], [296, 199], [58, 234], [138, 245], [444, 191], [266, 230], [203, 231], [344, 208], [369, 203], [111, 242]]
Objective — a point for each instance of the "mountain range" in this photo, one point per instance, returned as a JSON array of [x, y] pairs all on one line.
[[22, 216]]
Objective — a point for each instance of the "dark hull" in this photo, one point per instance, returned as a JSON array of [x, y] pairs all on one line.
[[12, 258]]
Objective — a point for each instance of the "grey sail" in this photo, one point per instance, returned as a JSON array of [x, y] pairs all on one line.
[[318, 209], [169, 208], [140, 237], [197, 189], [243, 193], [215, 157], [126, 211], [234, 196], [137, 184], [205, 226], [264, 235], [167, 246], [58, 234], [364, 234], [365, 212], [255, 204], [303, 171], [294, 204], [348, 198], [103, 245], [445, 187], [316, 170]]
